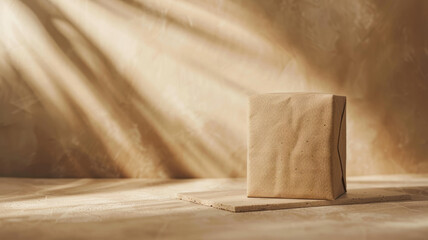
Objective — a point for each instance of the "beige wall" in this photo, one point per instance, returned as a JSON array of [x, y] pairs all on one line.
[[159, 88]]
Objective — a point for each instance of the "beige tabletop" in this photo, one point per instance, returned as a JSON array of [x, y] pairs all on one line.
[[148, 209]]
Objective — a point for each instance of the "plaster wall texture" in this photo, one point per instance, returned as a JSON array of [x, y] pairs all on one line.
[[160, 88]]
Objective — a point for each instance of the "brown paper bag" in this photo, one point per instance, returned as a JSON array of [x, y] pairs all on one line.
[[297, 146]]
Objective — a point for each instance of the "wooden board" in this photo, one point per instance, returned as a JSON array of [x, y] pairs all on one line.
[[237, 200]]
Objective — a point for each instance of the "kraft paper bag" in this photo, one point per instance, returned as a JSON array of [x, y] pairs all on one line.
[[297, 146]]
